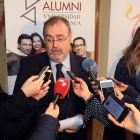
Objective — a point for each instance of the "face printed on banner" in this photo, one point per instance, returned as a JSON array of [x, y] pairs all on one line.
[[36, 43], [57, 41], [79, 47], [25, 46]]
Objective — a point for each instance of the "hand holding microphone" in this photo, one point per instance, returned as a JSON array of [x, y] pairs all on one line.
[[60, 89], [81, 89], [90, 66], [52, 110]]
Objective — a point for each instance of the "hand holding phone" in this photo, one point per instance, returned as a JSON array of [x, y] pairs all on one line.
[[107, 87], [43, 71], [72, 76], [118, 84], [115, 107]]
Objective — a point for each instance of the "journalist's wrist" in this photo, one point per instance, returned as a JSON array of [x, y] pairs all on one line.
[[88, 97]]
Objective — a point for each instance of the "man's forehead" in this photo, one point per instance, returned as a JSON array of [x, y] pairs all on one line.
[[58, 28], [78, 41], [57, 35], [26, 40]]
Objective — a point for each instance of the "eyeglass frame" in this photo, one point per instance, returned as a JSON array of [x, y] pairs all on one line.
[[80, 45], [57, 40]]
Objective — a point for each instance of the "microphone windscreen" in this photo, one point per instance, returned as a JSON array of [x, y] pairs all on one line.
[[61, 87], [88, 63]]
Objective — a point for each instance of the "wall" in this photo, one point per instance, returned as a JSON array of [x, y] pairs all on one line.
[[3, 66], [104, 37]]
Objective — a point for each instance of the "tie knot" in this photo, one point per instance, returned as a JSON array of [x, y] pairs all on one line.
[[59, 66]]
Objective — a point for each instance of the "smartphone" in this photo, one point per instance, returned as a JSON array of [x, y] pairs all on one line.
[[43, 71], [48, 74], [72, 76], [114, 81], [107, 87], [115, 107]]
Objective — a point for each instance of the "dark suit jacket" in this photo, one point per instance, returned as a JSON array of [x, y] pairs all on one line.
[[43, 131], [15, 112], [33, 65]]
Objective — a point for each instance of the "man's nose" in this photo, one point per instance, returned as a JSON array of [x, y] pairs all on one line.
[[55, 43], [28, 46]]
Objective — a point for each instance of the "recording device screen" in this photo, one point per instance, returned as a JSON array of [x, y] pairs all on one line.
[[107, 88], [48, 74], [115, 107]]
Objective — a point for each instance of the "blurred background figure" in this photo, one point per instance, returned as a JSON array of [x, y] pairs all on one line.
[[24, 44], [79, 47], [71, 48], [38, 43], [127, 69]]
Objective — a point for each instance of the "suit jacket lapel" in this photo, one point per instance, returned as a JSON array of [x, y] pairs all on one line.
[[75, 68]]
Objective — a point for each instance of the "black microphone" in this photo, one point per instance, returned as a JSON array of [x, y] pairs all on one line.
[[90, 66]]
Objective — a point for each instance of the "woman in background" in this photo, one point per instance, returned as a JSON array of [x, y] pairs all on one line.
[[38, 44], [128, 67]]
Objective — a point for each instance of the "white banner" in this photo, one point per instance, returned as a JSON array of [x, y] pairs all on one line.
[[28, 16], [125, 18]]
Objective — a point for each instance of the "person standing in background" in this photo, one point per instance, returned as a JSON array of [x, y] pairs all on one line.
[[128, 68], [24, 44], [79, 47], [38, 43]]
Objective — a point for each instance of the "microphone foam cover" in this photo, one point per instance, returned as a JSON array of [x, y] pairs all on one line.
[[61, 87], [88, 63]]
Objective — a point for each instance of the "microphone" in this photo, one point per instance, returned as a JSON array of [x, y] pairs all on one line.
[[90, 66], [60, 89]]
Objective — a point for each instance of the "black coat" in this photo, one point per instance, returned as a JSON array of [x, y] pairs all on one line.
[[15, 112], [46, 129]]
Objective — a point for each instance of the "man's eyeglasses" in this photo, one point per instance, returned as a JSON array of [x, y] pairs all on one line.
[[80, 45], [60, 39]]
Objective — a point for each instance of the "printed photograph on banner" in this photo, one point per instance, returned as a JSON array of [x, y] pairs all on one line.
[[24, 27]]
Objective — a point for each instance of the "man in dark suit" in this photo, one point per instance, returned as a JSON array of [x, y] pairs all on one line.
[[24, 43], [57, 37]]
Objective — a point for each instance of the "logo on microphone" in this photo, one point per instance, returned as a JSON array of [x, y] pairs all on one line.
[[63, 83]]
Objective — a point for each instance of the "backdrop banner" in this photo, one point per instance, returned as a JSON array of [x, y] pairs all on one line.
[[124, 21], [28, 17]]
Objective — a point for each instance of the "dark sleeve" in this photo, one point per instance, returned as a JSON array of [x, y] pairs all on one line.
[[13, 107], [18, 128], [131, 92], [95, 109], [21, 77], [46, 129], [136, 102], [121, 72]]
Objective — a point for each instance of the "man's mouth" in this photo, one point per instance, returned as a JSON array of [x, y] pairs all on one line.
[[56, 51]]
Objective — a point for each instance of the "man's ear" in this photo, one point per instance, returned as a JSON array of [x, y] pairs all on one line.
[[73, 49], [86, 47], [18, 45], [71, 35]]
